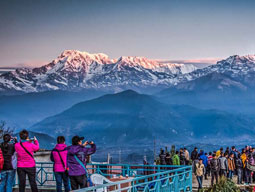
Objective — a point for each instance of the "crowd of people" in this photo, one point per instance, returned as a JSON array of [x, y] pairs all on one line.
[[216, 164], [69, 162]]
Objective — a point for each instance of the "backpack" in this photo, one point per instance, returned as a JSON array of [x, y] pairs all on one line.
[[1, 160]]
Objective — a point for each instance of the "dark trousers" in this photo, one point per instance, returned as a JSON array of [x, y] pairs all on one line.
[[31, 173], [62, 177], [239, 175], [214, 176], [247, 176], [223, 172], [78, 182]]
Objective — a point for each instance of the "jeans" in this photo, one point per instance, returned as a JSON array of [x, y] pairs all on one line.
[[31, 173], [200, 182], [62, 176], [7, 180], [78, 182], [230, 174], [239, 175]]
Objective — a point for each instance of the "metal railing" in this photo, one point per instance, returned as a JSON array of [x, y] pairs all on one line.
[[151, 178], [138, 177]]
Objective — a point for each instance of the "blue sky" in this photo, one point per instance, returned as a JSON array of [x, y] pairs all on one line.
[[33, 32]]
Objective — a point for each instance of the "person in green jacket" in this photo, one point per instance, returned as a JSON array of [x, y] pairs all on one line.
[[176, 158]]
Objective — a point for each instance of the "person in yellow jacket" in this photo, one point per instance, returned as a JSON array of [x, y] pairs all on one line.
[[218, 153], [243, 158]]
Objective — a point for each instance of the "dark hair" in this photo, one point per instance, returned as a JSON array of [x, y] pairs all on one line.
[[61, 139], [221, 149], [23, 134], [210, 153], [6, 138], [214, 155], [176, 152], [205, 153]]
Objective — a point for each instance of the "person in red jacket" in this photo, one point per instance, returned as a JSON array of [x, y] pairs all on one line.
[[26, 164]]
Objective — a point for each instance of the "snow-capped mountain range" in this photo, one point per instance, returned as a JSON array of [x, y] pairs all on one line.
[[74, 70], [234, 66]]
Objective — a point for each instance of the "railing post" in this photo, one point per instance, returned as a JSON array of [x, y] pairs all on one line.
[[176, 181]]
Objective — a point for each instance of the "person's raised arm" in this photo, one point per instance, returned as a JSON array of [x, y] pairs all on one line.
[[91, 150], [35, 145]]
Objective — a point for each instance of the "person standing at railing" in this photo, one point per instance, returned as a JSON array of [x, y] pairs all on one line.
[[76, 161], [9, 167], [26, 163], [176, 158], [59, 157]]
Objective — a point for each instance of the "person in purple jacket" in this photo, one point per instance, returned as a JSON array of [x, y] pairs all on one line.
[[76, 161]]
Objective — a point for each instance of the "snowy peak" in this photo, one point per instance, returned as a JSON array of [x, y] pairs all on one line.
[[75, 55], [239, 60]]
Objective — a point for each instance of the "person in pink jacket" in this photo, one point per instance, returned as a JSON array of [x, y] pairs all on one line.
[[59, 157], [26, 163]]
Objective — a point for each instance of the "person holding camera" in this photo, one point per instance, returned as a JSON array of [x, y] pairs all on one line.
[[76, 161], [8, 171], [26, 163], [59, 157]]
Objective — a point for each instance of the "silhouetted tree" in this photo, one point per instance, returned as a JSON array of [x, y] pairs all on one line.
[[4, 129]]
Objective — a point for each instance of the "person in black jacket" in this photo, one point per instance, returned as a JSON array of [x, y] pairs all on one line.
[[8, 172], [215, 167], [194, 154], [239, 168], [162, 157], [169, 159]]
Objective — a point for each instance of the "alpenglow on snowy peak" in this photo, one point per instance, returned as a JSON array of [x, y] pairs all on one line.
[[237, 67], [76, 70]]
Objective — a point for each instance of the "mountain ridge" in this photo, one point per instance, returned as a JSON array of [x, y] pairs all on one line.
[[75, 70]]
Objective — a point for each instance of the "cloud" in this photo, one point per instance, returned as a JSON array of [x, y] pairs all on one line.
[[200, 63], [28, 64]]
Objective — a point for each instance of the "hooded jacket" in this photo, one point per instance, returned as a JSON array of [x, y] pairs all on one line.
[[23, 158], [243, 158], [176, 160], [75, 169], [58, 165], [204, 158]]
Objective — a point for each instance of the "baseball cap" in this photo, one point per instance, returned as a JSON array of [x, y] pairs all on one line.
[[76, 139]]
